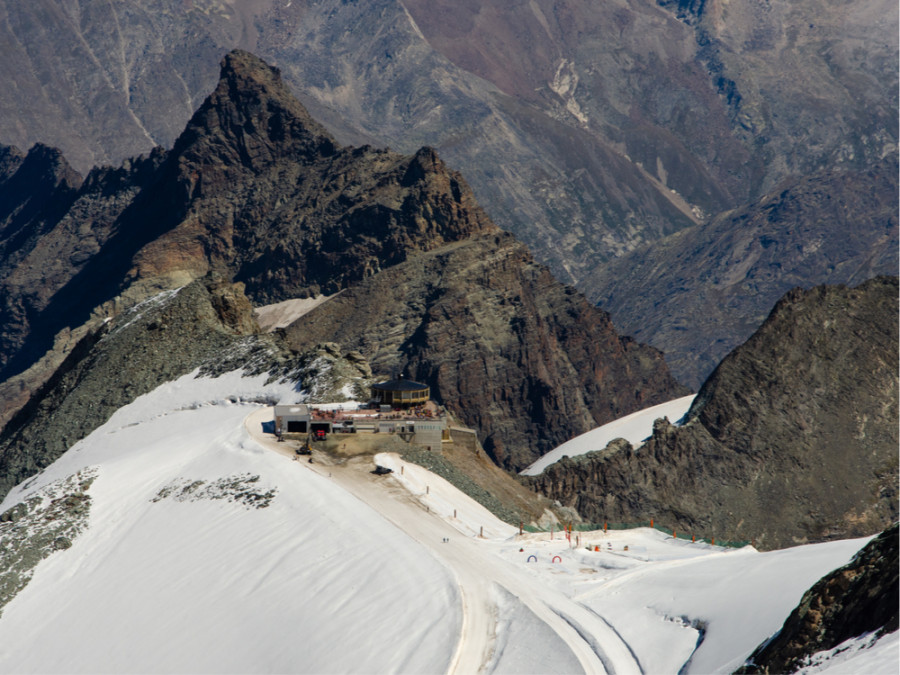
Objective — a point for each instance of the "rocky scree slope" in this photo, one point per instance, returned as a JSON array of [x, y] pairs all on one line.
[[257, 192], [792, 439], [859, 598], [701, 292], [161, 339]]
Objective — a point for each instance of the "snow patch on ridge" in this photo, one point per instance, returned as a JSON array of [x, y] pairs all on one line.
[[634, 428], [869, 653]]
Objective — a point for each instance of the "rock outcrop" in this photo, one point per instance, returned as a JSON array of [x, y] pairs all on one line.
[[52, 228], [861, 597], [523, 359], [793, 438], [36, 190]]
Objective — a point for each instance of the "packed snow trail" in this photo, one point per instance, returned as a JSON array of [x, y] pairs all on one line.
[[596, 646]]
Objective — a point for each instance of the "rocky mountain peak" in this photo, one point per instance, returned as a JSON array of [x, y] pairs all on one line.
[[10, 160], [424, 162], [794, 436], [50, 164], [251, 120], [257, 189], [35, 189], [254, 189]]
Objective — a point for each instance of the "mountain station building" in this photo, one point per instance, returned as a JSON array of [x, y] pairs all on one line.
[[400, 407], [401, 393], [299, 419]]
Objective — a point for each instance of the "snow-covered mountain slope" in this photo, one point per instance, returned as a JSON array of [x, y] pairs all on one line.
[[198, 545], [634, 428], [206, 553]]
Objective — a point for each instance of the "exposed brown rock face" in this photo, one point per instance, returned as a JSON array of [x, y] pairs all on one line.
[[273, 201], [859, 598], [35, 191], [526, 361], [254, 189], [792, 439], [701, 292], [53, 226]]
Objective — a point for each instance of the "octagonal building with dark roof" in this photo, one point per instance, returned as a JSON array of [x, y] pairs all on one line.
[[401, 392]]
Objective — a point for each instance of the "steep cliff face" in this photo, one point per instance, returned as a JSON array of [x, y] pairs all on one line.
[[792, 439], [859, 598], [35, 191], [53, 226], [699, 293], [515, 354]]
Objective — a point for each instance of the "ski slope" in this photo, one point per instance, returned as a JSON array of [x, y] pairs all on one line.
[[342, 571], [634, 428]]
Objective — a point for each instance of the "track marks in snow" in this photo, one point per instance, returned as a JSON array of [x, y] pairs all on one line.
[[478, 571]]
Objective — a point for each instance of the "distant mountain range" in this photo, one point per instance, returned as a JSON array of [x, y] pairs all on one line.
[[586, 130]]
